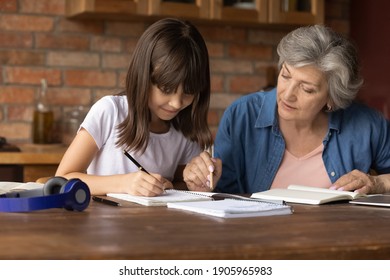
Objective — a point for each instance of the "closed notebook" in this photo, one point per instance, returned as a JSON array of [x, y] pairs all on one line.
[[170, 195], [233, 208], [6, 187], [382, 200], [307, 195]]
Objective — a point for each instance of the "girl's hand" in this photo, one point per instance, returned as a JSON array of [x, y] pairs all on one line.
[[197, 172], [360, 182], [144, 184]]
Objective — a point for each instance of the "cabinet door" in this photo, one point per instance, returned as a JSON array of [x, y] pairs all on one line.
[[301, 12], [254, 11], [192, 9]]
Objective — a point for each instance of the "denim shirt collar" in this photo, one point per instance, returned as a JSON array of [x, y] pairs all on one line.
[[267, 113], [335, 119]]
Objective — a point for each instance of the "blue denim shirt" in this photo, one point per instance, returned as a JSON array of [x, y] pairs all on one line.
[[251, 145]]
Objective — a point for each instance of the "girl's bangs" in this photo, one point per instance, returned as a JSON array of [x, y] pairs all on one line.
[[177, 69]]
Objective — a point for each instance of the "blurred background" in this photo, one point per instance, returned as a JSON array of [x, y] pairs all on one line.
[[82, 48]]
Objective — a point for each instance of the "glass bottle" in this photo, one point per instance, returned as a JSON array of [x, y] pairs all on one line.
[[71, 124], [43, 119]]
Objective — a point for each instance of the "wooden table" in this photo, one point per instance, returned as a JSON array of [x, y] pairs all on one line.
[[36, 160], [334, 231]]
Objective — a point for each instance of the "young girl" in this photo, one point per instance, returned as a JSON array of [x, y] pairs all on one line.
[[160, 119]]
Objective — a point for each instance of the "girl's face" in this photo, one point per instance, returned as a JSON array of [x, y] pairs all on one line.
[[165, 106], [302, 93]]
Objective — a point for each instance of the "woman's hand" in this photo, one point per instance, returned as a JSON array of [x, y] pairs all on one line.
[[143, 184], [196, 174], [361, 182]]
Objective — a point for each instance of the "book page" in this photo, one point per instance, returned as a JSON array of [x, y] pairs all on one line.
[[300, 196], [18, 186], [315, 189]]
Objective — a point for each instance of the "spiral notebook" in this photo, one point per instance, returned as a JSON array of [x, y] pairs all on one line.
[[208, 203], [233, 208], [170, 195]]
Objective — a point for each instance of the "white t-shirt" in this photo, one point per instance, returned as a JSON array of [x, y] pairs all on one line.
[[162, 155]]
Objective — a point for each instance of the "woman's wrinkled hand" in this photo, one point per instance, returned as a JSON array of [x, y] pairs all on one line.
[[360, 182], [197, 172]]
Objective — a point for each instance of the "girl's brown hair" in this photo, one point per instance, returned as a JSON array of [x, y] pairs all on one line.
[[170, 53]]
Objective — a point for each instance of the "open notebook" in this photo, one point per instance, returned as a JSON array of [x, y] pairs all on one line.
[[170, 195], [173, 195], [307, 195]]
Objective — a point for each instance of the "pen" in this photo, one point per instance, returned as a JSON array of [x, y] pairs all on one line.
[[211, 173], [105, 201], [135, 162]]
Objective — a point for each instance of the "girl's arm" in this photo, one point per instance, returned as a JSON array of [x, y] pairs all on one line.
[[80, 154]]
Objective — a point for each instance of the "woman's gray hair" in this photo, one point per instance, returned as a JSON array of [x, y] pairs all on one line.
[[332, 53]]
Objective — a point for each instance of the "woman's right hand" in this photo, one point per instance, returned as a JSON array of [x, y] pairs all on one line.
[[196, 174]]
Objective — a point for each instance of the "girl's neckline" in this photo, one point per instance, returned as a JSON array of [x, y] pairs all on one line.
[[160, 129], [163, 132]]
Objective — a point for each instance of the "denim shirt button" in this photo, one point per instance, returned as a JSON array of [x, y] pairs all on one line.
[[332, 173]]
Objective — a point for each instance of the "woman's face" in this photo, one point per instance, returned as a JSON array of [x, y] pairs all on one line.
[[302, 93], [165, 106]]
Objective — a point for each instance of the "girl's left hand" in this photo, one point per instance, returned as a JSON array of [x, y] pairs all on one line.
[[359, 182]]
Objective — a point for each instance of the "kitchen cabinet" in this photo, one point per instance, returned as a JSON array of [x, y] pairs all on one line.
[[302, 12], [103, 9], [240, 12], [269, 12], [199, 9]]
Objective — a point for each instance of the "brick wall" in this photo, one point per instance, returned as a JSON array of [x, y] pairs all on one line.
[[84, 60]]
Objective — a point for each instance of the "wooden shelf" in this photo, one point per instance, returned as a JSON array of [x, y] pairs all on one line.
[[199, 10], [264, 12], [257, 14], [103, 9], [34, 154], [36, 161]]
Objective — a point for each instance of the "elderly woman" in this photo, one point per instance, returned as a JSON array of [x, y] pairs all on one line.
[[307, 131]]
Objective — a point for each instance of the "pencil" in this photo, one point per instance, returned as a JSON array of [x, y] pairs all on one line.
[[139, 166]]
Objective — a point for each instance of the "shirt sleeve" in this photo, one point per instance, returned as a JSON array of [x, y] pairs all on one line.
[[225, 150], [100, 120], [382, 155]]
